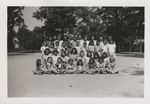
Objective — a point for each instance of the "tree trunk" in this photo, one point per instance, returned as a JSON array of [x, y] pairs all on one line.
[[140, 44], [62, 32], [130, 42]]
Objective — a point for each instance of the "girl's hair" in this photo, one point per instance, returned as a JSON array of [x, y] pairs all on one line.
[[100, 58], [111, 40], [66, 37], [95, 53], [51, 59], [79, 61], [111, 59], [90, 60], [104, 55], [52, 44], [75, 50], [63, 52], [70, 60], [48, 50], [38, 62], [91, 42], [57, 42], [55, 50], [85, 43], [60, 59], [97, 42]]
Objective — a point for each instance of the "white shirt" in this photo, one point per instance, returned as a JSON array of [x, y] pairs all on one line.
[[65, 59], [43, 48], [82, 58], [81, 42], [79, 48], [60, 42], [87, 60], [46, 56], [105, 48], [55, 59], [111, 48]]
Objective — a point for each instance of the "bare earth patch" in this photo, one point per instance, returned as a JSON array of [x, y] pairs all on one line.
[[129, 83]]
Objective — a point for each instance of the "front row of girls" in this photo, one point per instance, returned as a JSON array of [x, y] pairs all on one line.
[[74, 63]]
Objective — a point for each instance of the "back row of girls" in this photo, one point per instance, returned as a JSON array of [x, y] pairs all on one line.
[[75, 55]]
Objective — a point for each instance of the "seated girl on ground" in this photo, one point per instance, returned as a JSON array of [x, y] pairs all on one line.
[[70, 68], [98, 48], [100, 65], [88, 56], [47, 53], [82, 57], [80, 67], [55, 56], [50, 67], [91, 67], [64, 57], [113, 65], [106, 63], [60, 67], [96, 56], [38, 67], [74, 55]]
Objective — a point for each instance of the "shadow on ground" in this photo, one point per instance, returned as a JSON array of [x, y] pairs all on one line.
[[134, 72], [136, 55]]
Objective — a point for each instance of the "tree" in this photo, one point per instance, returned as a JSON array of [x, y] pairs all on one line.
[[14, 18], [24, 37], [57, 19]]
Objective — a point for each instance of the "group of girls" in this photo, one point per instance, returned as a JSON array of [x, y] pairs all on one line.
[[74, 55]]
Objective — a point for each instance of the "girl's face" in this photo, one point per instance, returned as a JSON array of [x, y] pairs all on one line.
[[50, 60], [97, 43], [105, 42], [80, 62], [63, 45], [45, 43], [89, 54], [100, 60], [50, 38], [85, 38], [74, 38], [84, 44], [111, 41], [91, 61], [63, 54], [104, 55], [55, 53], [100, 38], [92, 37], [74, 51], [65, 37], [82, 54], [96, 56], [71, 62], [57, 43], [59, 37], [59, 60], [79, 37], [78, 43], [47, 51], [51, 46]]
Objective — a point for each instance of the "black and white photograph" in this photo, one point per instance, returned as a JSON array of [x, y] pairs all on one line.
[[75, 51]]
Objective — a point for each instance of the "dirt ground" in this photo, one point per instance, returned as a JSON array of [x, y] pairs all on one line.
[[129, 83]]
